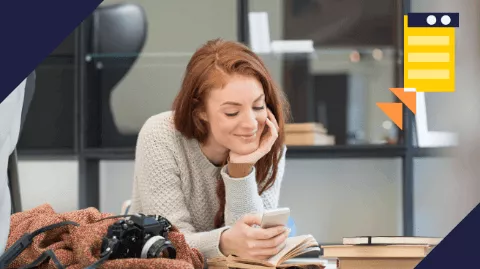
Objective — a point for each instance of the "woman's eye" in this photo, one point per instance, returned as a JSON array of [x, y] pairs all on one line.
[[259, 108], [231, 114]]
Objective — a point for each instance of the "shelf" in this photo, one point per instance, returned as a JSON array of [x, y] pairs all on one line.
[[344, 151], [46, 154], [293, 152], [434, 152], [110, 153]]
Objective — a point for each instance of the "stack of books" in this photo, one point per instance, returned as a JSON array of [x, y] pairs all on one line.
[[329, 263], [381, 252], [307, 134]]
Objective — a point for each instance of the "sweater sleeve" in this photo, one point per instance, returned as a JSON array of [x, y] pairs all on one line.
[[241, 194], [157, 186]]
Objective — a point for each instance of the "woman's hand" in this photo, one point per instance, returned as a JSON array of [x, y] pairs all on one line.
[[266, 143], [245, 241]]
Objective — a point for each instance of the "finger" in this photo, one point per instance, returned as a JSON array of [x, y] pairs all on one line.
[[264, 234], [270, 251], [274, 242], [252, 219], [269, 140], [273, 119], [273, 129], [273, 136], [266, 142]]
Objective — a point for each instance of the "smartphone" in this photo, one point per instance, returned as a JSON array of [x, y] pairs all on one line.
[[275, 217]]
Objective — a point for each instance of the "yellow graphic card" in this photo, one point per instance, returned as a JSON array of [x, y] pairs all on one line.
[[429, 51]]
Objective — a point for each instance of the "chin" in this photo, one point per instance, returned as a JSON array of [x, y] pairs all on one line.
[[244, 149]]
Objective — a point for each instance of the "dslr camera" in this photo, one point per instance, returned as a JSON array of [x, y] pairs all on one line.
[[140, 236]]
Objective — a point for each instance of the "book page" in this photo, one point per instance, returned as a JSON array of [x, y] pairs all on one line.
[[291, 244], [299, 251], [305, 263], [237, 262], [242, 265]]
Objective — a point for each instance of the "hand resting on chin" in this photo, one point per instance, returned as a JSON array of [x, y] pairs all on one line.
[[240, 165]]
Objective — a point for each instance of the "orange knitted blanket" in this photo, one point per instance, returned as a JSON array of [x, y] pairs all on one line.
[[79, 246]]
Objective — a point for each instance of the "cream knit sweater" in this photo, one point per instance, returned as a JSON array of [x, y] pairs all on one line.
[[173, 178]]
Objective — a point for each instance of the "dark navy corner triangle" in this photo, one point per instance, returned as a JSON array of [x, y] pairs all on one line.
[[459, 249], [435, 19], [31, 30]]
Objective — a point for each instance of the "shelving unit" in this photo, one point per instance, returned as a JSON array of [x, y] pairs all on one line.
[[89, 156], [293, 152]]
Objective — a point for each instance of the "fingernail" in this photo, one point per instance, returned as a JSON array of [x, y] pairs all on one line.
[[289, 230]]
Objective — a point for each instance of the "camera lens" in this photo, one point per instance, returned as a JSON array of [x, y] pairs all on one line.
[[158, 247], [161, 250]]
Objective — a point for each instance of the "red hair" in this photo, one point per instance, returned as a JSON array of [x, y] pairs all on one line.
[[211, 66]]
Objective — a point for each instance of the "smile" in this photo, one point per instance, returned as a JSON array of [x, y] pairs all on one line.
[[247, 137]]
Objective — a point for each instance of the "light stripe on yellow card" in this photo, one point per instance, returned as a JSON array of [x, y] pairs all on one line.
[[428, 74], [429, 57], [428, 41]]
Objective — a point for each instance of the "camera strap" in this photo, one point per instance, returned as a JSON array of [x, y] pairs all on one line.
[[25, 241], [104, 255], [44, 258], [99, 262], [49, 254]]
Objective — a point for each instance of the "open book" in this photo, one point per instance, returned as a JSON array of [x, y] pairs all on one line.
[[294, 247]]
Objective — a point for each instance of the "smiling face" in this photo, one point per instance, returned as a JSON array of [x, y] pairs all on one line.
[[236, 115]]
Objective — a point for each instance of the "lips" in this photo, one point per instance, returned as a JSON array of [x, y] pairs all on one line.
[[248, 137]]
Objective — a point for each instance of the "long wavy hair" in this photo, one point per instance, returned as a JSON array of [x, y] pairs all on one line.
[[211, 66]]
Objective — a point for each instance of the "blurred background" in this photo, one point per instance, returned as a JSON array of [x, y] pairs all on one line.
[[334, 59]]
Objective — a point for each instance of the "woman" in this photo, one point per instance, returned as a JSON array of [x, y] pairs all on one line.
[[218, 158]]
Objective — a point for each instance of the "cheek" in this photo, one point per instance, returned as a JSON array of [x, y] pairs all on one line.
[[221, 128]]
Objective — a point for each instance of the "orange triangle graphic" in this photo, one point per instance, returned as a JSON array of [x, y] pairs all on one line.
[[408, 98], [394, 112]]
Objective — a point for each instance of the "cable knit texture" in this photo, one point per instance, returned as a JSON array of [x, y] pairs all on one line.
[[173, 178]]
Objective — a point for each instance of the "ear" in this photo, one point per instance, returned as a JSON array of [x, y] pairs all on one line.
[[203, 116]]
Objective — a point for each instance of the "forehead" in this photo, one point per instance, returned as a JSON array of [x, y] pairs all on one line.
[[238, 89]]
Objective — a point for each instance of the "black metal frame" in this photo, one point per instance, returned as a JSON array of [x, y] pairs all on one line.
[[89, 158], [242, 21], [403, 7], [89, 172]]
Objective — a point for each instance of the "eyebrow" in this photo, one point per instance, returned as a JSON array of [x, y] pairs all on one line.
[[238, 104]]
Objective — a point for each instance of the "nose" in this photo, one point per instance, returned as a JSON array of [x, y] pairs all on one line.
[[249, 122]]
